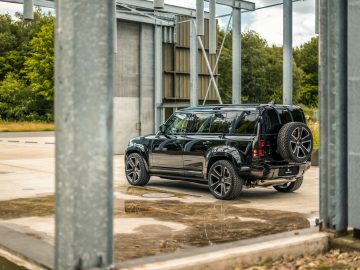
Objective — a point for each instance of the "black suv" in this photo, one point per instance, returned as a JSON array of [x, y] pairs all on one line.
[[227, 147]]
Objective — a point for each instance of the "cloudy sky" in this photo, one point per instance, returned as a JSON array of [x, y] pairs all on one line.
[[267, 22]]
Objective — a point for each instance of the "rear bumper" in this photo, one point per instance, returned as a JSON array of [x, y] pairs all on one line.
[[273, 172]]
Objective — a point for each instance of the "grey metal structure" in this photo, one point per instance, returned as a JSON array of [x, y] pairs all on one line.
[[212, 27], [200, 17], [83, 115], [194, 95], [28, 9], [236, 56], [287, 53], [353, 113]]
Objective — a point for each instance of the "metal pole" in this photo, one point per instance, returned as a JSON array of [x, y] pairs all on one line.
[[341, 150], [236, 56], [200, 17], [84, 53], [317, 14], [323, 109], [194, 99], [212, 27], [353, 113], [28, 9], [287, 53], [210, 70], [158, 77], [158, 4]]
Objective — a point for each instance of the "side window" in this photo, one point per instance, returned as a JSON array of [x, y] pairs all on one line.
[[285, 116], [209, 123], [271, 122], [219, 124], [178, 123], [200, 123], [298, 115], [245, 123]]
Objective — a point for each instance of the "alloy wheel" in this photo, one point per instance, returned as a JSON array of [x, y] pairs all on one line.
[[133, 169], [220, 180], [300, 142]]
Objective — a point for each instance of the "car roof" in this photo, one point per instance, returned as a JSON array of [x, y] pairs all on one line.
[[236, 107]]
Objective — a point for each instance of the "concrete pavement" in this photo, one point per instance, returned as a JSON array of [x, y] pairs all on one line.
[[155, 219]]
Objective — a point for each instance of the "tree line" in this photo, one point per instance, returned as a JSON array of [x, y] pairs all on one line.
[[27, 69]]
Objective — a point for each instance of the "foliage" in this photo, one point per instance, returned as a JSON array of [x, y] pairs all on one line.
[[26, 67], [261, 74]]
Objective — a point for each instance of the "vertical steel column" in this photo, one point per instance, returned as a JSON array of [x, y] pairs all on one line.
[[287, 53], [353, 113], [158, 77], [236, 56], [323, 109], [83, 114], [194, 99], [212, 27], [200, 17], [28, 9], [341, 149]]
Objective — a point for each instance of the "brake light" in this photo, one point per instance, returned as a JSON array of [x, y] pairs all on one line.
[[262, 153], [255, 153], [262, 143]]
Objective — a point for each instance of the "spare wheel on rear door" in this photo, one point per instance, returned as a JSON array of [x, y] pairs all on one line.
[[295, 142]]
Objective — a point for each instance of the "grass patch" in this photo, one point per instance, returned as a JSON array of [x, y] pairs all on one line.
[[314, 127], [6, 126]]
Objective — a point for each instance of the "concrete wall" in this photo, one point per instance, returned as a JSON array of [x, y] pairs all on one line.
[[134, 88]]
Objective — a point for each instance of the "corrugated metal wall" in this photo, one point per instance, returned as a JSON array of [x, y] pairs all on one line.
[[177, 65]]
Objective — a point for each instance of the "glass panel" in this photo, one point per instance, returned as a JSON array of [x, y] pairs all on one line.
[[298, 116], [245, 123], [200, 123], [177, 124], [220, 124], [284, 116]]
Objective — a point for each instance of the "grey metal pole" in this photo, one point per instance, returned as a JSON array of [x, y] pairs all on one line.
[[84, 54], [353, 112], [158, 77], [200, 17], [341, 165], [158, 4], [212, 27], [287, 52], [317, 14], [236, 56], [194, 99], [323, 96], [28, 9]]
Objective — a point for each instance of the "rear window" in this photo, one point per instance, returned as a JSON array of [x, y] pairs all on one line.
[[244, 123], [298, 115], [285, 116]]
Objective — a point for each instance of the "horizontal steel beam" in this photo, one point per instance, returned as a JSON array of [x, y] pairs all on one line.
[[236, 4], [167, 8], [128, 16], [40, 3]]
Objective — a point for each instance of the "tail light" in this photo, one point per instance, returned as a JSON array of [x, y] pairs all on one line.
[[255, 153], [262, 143], [262, 153], [259, 152]]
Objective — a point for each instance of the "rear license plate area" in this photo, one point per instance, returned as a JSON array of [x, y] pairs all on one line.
[[293, 170]]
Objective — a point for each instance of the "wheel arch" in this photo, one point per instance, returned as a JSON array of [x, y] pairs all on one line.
[[212, 158], [139, 150]]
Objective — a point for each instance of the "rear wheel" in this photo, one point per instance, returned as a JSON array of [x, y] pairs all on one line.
[[224, 181], [290, 187], [135, 170]]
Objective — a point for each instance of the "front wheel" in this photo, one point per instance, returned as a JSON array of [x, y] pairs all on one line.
[[224, 181], [135, 170], [290, 187]]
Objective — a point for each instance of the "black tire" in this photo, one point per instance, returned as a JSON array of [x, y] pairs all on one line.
[[290, 187], [224, 182], [295, 142], [135, 170]]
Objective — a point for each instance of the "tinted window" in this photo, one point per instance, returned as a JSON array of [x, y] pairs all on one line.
[[209, 123], [243, 123], [270, 121], [298, 116], [177, 123], [285, 116]]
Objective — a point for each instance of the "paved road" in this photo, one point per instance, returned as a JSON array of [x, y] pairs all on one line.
[[27, 134]]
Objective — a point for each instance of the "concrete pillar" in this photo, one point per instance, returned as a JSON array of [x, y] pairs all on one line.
[[194, 99], [158, 76], [28, 9], [200, 17], [236, 56], [354, 112], [212, 27], [84, 51], [287, 53]]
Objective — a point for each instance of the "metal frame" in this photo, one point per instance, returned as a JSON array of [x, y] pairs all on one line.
[[287, 53]]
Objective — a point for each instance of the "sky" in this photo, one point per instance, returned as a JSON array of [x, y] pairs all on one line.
[[267, 22]]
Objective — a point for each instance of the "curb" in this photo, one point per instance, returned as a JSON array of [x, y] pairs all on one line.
[[246, 255]]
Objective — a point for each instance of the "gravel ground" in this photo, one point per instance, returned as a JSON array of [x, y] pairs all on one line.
[[334, 259]]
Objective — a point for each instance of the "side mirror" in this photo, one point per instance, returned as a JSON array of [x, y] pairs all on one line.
[[162, 129]]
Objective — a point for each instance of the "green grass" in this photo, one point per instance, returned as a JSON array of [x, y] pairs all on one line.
[[7, 126]]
